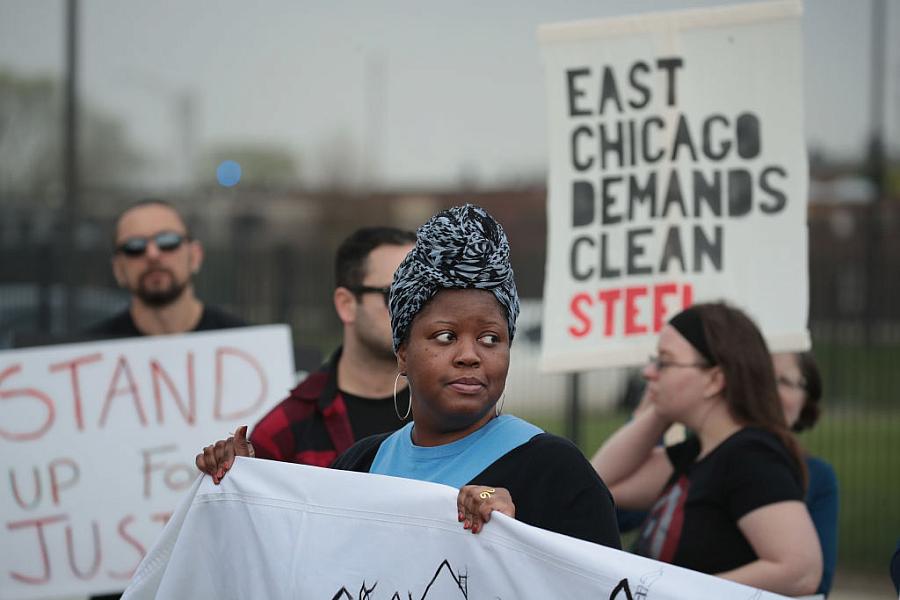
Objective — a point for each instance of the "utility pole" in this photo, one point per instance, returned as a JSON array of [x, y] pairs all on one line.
[[573, 407], [375, 112], [876, 164], [71, 212], [876, 99]]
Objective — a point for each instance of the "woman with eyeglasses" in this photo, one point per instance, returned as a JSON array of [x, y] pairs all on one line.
[[453, 305], [728, 500], [800, 391]]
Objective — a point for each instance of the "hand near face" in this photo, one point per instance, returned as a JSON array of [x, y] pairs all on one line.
[[475, 503], [217, 458], [644, 405]]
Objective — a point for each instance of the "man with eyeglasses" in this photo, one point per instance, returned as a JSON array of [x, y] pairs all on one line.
[[355, 393], [155, 259]]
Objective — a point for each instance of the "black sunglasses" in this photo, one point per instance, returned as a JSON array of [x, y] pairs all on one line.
[[166, 241], [368, 289]]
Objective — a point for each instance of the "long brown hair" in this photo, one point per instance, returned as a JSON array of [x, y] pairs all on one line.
[[750, 391], [812, 387]]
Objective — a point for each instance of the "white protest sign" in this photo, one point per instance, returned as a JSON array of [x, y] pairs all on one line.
[[97, 445], [282, 531], [678, 174]]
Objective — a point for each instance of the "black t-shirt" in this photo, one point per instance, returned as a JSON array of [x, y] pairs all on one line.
[[551, 483], [122, 325], [371, 416], [694, 522]]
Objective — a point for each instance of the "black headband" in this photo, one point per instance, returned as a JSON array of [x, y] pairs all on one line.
[[689, 324]]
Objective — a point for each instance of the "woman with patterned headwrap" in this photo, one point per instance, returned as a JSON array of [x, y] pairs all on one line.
[[453, 306]]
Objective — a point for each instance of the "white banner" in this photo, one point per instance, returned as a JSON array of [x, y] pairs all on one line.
[[282, 531], [677, 174], [97, 445]]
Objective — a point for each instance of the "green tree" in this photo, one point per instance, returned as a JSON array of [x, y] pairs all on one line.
[[31, 121]]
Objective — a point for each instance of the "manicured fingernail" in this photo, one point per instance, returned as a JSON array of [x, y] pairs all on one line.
[[461, 517]]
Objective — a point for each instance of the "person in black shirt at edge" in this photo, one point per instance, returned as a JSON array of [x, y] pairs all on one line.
[[727, 501], [155, 258], [453, 306]]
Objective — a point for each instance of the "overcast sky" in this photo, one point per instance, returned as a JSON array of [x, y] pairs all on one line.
[[428, 92]]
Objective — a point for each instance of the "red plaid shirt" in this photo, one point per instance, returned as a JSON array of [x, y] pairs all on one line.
[[310, 426]]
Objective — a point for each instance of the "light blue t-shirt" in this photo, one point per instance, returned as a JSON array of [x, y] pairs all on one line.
[[456, 463]]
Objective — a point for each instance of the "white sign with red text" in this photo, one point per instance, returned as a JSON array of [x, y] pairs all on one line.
[[97, 444], [678, 174]]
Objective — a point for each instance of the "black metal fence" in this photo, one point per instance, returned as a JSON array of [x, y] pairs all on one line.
[[854, 319]]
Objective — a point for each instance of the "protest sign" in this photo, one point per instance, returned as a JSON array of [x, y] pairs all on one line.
[[97, 444], [677, 174], [278, 531]]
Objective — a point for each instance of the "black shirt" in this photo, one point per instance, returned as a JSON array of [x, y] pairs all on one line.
[[371, 416], [122, 325], [694, 522], [551, 483]]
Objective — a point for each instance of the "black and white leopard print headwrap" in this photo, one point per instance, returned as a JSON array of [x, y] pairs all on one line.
[[462, 247]]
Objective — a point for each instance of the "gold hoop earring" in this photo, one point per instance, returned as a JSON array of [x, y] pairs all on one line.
[[396, 408], [498, 408]]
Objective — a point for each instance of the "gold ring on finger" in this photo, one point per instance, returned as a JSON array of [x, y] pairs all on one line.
[[487, 493]]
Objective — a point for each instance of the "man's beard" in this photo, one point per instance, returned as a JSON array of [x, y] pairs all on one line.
[[160, 297]]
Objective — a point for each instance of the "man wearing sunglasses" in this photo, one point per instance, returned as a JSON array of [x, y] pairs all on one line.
[[352, 395], [155, 258]]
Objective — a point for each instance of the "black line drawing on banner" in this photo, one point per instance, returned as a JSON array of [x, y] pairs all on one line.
[[642, 591], [454, 582], [364, 592], [622, 586]]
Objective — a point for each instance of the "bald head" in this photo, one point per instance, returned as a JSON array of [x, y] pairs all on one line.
[[154, 256], [136, 211]]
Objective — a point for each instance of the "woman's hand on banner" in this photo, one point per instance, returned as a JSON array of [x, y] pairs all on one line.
[[475, 503], [217, 458]]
